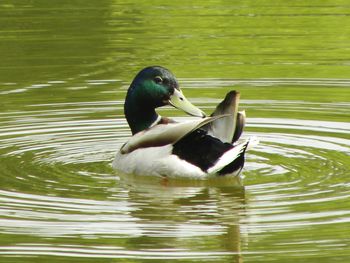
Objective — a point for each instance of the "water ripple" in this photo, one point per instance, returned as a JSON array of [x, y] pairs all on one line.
[[64, 186]]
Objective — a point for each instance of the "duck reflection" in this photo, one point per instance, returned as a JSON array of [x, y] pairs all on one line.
[[200, 219]]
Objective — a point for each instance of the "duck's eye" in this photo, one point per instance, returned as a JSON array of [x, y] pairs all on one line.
[[158, 79]]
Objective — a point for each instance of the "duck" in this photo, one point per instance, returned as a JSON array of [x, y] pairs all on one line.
[[207, 146]]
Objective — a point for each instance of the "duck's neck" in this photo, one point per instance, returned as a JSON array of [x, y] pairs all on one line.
[[139, 117]]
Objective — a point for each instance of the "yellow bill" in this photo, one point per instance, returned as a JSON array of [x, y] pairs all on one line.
[[179, 101]]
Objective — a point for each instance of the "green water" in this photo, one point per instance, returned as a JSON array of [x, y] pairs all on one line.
[[64, 70]]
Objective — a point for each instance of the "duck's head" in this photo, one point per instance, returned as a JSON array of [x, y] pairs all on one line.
[[154, 87]]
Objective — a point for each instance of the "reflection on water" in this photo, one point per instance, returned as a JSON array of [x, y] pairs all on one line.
[[64, 71]]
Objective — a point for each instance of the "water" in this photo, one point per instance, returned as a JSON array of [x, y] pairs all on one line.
[[64, 71]]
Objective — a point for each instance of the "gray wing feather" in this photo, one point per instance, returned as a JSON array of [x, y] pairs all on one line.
[[240, 124], [164, 134], [227, 129]]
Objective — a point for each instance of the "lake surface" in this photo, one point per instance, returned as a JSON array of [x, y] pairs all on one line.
[[64, 70]]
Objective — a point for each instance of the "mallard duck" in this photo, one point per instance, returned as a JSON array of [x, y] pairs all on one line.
[[160, 146]]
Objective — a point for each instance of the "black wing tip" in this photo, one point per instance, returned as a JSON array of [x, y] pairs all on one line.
[[232, 93], [225, 106]]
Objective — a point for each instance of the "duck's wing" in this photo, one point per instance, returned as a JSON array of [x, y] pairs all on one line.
[[164, 134], [240, 124], [230, 128]]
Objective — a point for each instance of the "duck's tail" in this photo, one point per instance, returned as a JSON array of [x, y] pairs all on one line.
[[232, 161], [227, 129]]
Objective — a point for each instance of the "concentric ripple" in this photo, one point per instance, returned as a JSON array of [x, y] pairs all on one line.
[[58, 186]]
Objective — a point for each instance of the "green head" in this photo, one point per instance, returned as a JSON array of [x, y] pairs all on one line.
[[154, 87]]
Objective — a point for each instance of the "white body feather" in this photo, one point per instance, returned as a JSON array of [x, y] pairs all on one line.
[[155, 161]]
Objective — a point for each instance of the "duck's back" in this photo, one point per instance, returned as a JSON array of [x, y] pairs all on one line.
[[204, 151]]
